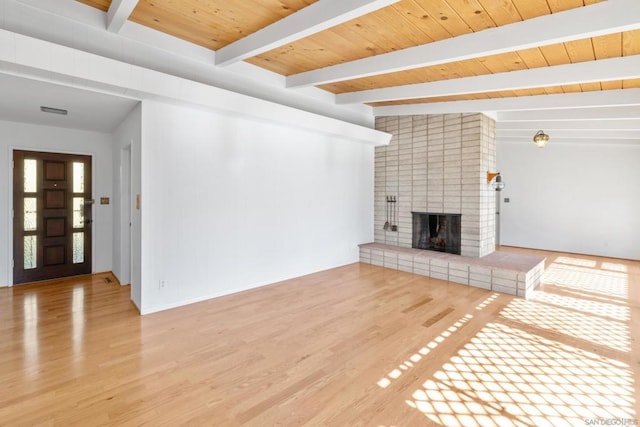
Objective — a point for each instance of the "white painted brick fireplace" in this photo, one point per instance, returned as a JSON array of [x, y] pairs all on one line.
[[437, 164]]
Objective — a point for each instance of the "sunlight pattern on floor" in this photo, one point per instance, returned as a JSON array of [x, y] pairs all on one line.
[[416, 357], [602, 282], [575, 261], [614, 266], [506, 376], [569, 322], [559, 358], [586, 306]]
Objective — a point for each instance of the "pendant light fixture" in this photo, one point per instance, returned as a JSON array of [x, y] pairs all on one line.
[[540, 139]]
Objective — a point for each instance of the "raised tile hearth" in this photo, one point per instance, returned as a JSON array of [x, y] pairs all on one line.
[[505, 272]]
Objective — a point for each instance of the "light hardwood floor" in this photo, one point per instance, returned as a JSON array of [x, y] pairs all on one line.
[[356, 345]]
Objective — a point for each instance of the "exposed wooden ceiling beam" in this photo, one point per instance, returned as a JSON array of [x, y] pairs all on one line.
[[608, 17], [312, 19], [621, 68], [603, 135], [578, 125], [96, 19], [572, 114], [607, 98], [562, 140], [119, 13]]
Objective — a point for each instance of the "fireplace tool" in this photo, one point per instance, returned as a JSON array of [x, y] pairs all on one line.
[[386, 224], [394, 227]]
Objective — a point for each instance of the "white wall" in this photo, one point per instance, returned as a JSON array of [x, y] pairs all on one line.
[[44, 138], [580, 198], [126, 184], [231, 203], [254, 193]]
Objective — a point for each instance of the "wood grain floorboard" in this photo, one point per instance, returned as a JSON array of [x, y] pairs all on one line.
[[441, 315], [417, 305], [358, 345]]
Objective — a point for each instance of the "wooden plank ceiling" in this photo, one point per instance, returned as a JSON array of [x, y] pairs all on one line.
[[215, 24]]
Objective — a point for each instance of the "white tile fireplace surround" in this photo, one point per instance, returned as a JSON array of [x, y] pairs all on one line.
[[438, 164]]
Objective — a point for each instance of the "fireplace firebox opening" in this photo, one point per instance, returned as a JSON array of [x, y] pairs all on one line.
[[437, 232]]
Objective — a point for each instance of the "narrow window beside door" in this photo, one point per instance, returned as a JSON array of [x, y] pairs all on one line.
[[30, 204]]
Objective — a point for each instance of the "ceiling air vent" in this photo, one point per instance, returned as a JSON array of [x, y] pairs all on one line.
[[53, 110]]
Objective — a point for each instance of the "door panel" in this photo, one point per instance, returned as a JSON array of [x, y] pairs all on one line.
[[52, 215]]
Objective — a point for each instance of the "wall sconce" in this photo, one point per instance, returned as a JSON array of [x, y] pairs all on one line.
[[498, 185], [540, 139]]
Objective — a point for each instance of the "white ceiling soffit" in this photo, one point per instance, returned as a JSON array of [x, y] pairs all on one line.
[[73, 10], [310, 20], [612, 16], [87, 110]]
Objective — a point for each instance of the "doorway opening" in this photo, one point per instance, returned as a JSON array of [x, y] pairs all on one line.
[[125, 216]]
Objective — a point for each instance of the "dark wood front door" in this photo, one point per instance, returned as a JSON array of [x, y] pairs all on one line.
[[51, 215]]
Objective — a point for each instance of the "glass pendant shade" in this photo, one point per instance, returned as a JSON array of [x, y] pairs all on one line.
[[540, 139]]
